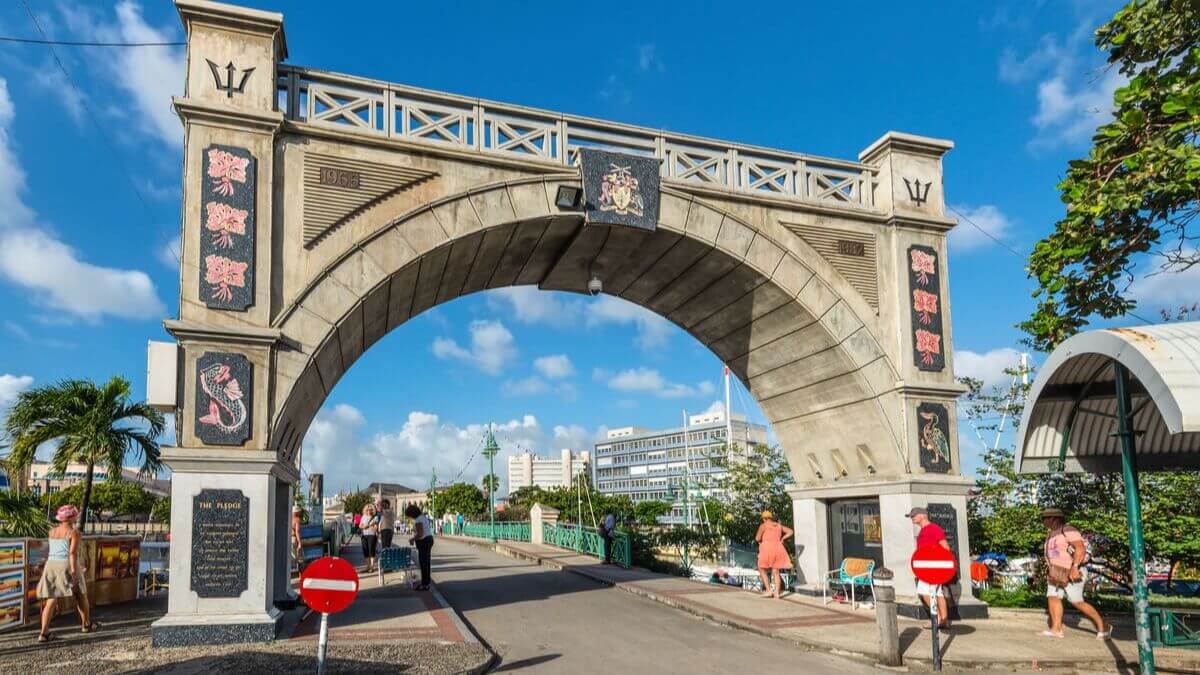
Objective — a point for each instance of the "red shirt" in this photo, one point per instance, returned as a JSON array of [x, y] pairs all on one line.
[[930, 535]]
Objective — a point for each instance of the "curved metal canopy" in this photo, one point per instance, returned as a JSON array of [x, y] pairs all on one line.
[[1070, 416]]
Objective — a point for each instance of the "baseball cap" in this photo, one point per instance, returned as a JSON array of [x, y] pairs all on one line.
[[917, 510]]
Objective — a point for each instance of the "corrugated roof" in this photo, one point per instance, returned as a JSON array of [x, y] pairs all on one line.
[[1075, 391]]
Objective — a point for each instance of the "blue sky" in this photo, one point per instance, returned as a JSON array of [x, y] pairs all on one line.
[[89, 190]]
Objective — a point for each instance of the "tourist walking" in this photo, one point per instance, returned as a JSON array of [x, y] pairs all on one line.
[[387, 524], [423, 539], [297, 548], [930, 534], [607, 527], [368, 532], [772, 554], [460, 521], [62, 577], [1066, 553]]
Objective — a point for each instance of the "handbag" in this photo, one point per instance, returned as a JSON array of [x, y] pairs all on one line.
[[1056, 575]]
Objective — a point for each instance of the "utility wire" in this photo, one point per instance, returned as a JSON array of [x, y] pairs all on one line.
[[96, 123], [73, 43]]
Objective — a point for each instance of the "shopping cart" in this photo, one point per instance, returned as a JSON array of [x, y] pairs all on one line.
[[395, 559]]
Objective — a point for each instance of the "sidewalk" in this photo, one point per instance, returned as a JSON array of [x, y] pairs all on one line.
[[1008, 638], [393, 613]]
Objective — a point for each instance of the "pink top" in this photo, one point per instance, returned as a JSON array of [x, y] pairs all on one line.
[[1059, 545]]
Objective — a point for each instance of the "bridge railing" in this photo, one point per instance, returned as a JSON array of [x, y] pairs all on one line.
[[505, 530], [394, 111], [588, 540]]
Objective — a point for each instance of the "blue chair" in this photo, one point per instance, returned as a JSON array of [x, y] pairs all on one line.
[[852, 574], [395, 559]]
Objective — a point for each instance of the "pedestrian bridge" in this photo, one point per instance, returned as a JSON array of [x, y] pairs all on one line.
[[323, 210]]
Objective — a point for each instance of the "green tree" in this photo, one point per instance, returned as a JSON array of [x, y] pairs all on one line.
[[462, 498], [356, 501], [490, 483], [754, 482], [22, 514], [648, 512], [301, 502], [113, 497], [161, 513], [91, 424], [1136, 191]]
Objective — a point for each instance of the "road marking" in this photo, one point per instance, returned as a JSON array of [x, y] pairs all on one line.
[[330, 584]]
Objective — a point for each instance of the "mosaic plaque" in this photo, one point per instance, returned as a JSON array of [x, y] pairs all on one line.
[[933, 424], [224, 398], [924, 283], [227, 228], [619, 189], [220, 543]]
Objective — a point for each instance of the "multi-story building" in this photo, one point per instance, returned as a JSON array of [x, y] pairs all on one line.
[[645, 464], [43, 478], [527, 469]]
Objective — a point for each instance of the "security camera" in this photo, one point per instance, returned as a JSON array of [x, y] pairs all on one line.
[[595, 286]]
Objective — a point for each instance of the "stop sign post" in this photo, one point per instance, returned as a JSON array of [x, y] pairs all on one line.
[[328, 585], [935, 565]]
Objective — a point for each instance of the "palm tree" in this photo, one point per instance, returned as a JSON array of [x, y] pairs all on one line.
[[91, 425], [22, 515]]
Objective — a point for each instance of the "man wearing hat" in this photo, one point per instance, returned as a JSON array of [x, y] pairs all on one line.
[[930, 534], [1066, 552]]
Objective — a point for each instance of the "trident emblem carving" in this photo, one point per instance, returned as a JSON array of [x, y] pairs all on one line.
[[228, 87], [915, 191]]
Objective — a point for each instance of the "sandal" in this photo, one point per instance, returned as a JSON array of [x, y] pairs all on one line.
[[92, 626], [1105, 634], [46, 637], [1050, 633]]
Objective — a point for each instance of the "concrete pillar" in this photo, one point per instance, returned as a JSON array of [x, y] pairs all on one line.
[[201, 610], [811, 519], [540, 515]]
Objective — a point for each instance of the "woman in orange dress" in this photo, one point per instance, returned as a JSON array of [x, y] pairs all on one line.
[[772, 554]]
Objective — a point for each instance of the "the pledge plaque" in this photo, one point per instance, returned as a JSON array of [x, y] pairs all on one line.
[[220, 543]]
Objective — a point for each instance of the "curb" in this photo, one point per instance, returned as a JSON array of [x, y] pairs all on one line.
[[807, 643]]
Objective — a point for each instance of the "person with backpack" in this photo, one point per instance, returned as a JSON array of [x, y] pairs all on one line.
[[1066, 553], [607, 527]]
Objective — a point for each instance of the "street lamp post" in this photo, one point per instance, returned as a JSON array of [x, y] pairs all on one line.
[[433, 494], [490, 449]]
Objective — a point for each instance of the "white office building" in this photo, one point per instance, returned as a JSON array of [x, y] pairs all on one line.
[[528, 469], [646, 465]]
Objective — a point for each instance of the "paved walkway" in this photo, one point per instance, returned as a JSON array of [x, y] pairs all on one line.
[[540, 620], [392, 612], [1008, 638]]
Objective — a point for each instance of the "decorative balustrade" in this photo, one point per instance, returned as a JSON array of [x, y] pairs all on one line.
[[587, 540], [505, 530], [394, 111]]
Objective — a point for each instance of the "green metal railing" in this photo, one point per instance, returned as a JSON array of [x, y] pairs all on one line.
[[1169, 628], [587, 540], [505, 531]]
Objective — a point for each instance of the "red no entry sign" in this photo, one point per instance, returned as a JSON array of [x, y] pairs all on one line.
[[934, 565], [329, 585]]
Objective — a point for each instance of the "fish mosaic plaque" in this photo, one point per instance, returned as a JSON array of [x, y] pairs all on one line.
[[224, 398]]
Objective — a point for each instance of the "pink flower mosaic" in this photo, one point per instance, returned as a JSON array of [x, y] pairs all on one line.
[[923, 264], [925, 305], [928, 344], [225, 169], [225, 274], [224, 221]]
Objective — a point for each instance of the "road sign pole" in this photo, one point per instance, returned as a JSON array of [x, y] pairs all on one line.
[[933, 618], [322, 642]]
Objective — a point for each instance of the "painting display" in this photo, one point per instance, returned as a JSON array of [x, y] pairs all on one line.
[[227, 228], [12, 584], [924, 282]]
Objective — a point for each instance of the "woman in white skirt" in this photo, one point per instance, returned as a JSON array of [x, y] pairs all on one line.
[[62, 576]]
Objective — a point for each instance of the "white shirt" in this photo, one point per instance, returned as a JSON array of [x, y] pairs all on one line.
[[426, 526]]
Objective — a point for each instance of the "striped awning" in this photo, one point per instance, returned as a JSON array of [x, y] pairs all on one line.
[[1070, 414]]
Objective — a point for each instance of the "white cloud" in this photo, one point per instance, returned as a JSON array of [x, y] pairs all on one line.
[[555, 367], [10, 386], [334, 446], [51, 270], [168, 253], [648, 58], [988, 366], [492, 347], [57, 278], [529, 305], [648, 380], [529, 386], [148, 76], [966, 237], [717, 407]]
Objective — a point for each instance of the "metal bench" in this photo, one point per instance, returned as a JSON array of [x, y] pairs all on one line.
[[851, 575]]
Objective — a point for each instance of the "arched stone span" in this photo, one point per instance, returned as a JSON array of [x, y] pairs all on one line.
[[786, 322]]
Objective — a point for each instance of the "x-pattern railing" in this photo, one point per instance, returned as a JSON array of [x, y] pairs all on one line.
[[406, 113]]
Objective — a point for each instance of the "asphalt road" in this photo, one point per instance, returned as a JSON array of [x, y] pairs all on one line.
[[541, 620]]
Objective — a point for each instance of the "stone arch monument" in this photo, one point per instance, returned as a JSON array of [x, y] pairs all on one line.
[[320, 211]]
